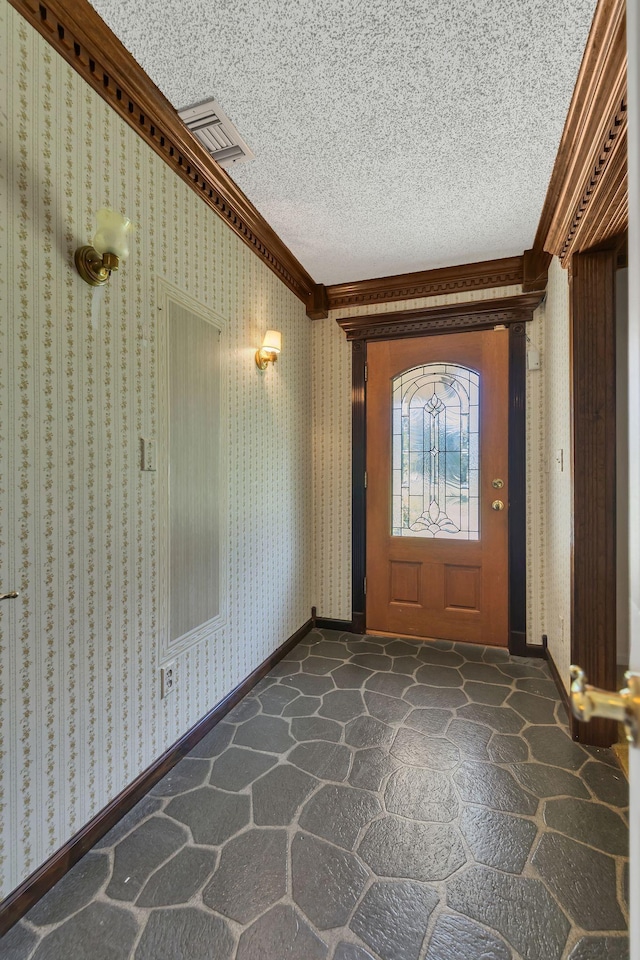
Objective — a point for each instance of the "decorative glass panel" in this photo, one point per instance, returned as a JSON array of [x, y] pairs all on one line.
[[435, 452]]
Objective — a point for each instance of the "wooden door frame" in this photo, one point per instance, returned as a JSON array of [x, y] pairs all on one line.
[[452, 318]]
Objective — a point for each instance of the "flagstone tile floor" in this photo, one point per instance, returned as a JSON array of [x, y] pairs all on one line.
[[370, 799]]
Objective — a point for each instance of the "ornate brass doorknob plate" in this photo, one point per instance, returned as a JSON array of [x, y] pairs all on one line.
[[588, 702], [497, 484]]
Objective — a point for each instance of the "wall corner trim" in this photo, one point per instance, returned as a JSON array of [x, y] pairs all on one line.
[[41, 880]]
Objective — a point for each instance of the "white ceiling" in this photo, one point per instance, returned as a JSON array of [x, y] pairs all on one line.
[[390, 135]]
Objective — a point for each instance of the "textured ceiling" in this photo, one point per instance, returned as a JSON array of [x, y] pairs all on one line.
[[390, 135]]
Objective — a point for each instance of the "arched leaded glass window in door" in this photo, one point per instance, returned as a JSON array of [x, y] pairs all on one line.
[[435, 455]]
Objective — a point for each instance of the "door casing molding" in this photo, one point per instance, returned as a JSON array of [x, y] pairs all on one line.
[[452, 318]]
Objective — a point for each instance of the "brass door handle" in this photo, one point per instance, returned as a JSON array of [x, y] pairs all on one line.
[[588, 702], [9, 596], [497, 505]]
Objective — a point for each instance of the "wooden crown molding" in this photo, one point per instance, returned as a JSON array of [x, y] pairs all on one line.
[[587, 198], [79, 34], [427, 283], [475, 314]]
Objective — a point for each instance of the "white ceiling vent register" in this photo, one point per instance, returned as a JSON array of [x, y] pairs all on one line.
[[216, 133]]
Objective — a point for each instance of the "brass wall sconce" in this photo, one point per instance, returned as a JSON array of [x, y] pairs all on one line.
[[271, 347], [110, 246]]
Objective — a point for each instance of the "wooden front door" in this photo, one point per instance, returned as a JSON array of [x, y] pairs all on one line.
[[437, 460]]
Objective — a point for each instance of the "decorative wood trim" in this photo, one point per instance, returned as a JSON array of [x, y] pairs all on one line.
[[535, 270], [78, 33], [518, 310], [35, 886], [562, 690], [586, 202], [471, 315], [326, 623], [593, 385], [318, 303], [427, 283]]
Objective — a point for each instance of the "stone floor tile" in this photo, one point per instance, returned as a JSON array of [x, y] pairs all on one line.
[[602, 754], [144, 809], [251, 876], [275, 699], [500, 719], [583, 880], [83, 935], [546, 781], [532, 708], [429, 721], [214, 742], [349, 951], [350, 676], [388, 709], [320, 665], [490, 693], [310, 684], [539, 686], [286, 668], [237, 767], [470, 738], [421, 795], [73, 891], [551, 745], [366, 645], [211, 815], [401, 648], [608, 783], [496, 655], [302, 707], [316, 728], [367, 732], [433, 675], [141, 852], [338, 814], [244, 710], [406, 665], [395, 847], [504, 748], [497, 839], [490, 785], [392, 684], [519, 908], [342, 705], [186, 932], [373, 661], [590, 823], [18, 943], [282, 934], [393, 917], [414, 748], [186, 775], [278, 794], [370, 767], [328, 761], [179, 879], [442, 658], [601, 948], [484, 673], [270, 734], [300, 652], [334, 649], [520, 669], [326, 882], [456, 938], [421, 695]]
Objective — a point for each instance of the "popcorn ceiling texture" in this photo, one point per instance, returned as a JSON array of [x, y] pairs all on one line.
[[80, 528], [389, 137]]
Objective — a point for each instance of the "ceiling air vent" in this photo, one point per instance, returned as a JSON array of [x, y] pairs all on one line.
[[210, 124]]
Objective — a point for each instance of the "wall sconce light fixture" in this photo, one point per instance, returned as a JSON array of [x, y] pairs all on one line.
[[110, 246], [271, 347]]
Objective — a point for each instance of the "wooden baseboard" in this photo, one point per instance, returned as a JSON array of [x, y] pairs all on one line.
[[35, 886], [518, 646], [327, 623], [557, 679]]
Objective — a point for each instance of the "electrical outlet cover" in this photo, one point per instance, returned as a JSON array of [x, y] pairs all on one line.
[[168, 679]]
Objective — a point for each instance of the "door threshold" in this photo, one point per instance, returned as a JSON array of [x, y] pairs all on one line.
[[407, 636]]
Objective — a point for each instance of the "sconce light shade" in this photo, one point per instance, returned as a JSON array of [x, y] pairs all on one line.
[[110, 246], [271, 347]]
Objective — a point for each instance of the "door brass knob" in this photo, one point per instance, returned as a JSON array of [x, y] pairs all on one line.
[[497, 505], [588, 702]]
